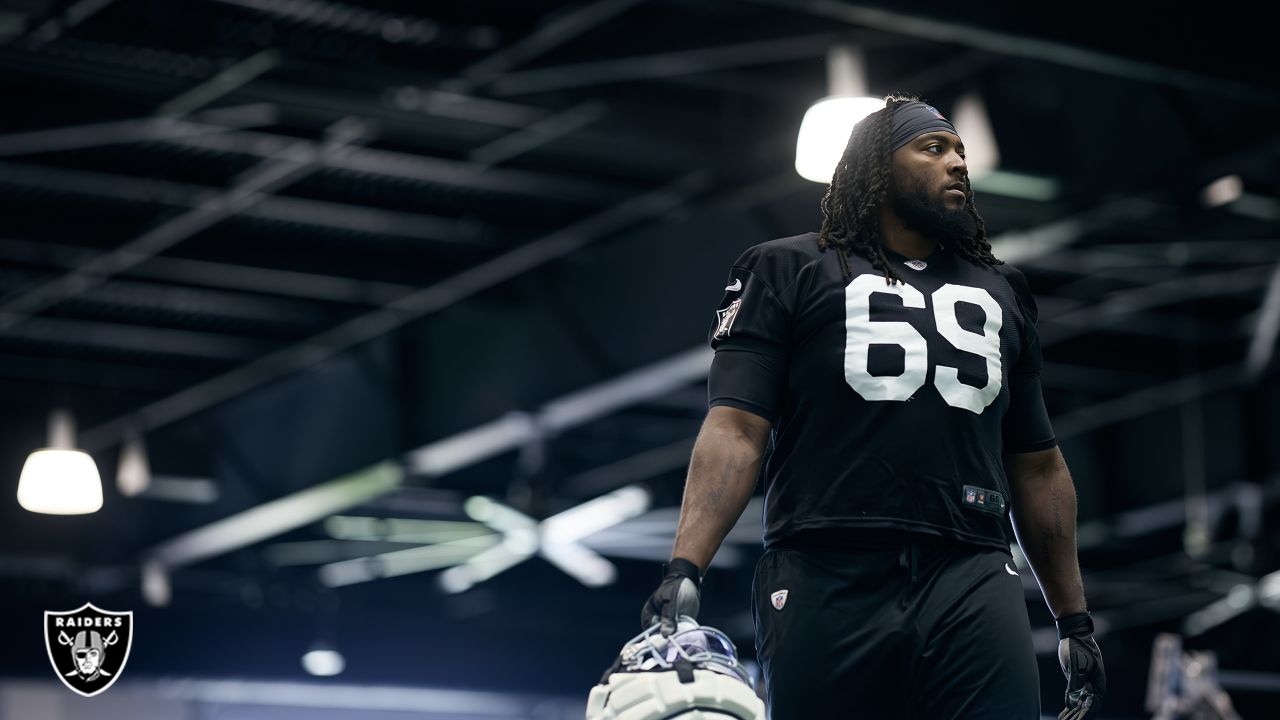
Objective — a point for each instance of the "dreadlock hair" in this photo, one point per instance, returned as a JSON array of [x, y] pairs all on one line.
[[850, 208]]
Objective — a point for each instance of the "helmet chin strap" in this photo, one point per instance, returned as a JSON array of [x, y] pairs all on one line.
[[684, 670]]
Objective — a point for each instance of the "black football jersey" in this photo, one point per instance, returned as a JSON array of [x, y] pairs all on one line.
[[891, 404]]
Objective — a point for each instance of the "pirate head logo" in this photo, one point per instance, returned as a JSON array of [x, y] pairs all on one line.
[[88, 647]]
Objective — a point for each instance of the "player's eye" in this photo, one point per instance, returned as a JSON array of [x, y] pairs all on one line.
[[931, 148]]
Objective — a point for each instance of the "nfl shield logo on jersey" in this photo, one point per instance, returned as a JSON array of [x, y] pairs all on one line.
[[88, 646], [778, 599], [726, 317]]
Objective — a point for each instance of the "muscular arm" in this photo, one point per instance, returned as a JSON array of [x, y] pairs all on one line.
[[1044, 519], [722, 475]]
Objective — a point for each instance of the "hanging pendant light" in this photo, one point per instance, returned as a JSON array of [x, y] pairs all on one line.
[[59, 479], [825, 130], [134, 474]]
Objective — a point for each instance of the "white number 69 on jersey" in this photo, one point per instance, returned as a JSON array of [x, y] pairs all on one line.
[[861, 333]]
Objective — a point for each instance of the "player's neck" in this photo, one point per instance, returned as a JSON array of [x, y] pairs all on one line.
[[902, 240]]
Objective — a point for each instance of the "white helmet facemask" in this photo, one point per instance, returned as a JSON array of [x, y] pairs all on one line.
[[693, 674]]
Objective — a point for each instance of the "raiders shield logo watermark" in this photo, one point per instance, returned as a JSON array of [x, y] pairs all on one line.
[[778, 599], [88, 646]]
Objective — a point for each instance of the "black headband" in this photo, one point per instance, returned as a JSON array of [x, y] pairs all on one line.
[[913, 119]]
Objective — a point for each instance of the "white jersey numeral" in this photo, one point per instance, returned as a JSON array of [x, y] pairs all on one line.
[[947, 379], [861, 333]]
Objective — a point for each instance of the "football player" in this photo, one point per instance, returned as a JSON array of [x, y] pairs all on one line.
[[894, 363]]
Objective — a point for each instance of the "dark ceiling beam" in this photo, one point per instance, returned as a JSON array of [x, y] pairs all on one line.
[[78, 370], [1025, 46], [289, 165], [135, 338], [1147, 400], [399, 112], [133, 131], [664, 65], [428, 117], [417, 109], [962, 67], [538, 134], [1037, 244], [435, 103], [301, 211], [176, 300], [529, 133], [223, 83], [354, 19], [113, 68], [265, 281], [53, 28], [392, 164], [1152, 325], [1092, 379], [1090, 261], [1118, 306], [1190, 250], [553, 33]]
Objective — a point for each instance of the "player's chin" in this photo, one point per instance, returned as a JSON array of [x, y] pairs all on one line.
[[950, 208]]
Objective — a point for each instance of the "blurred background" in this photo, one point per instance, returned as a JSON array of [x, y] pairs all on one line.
[[385, 325]]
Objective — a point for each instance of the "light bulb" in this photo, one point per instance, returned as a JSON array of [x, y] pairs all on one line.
[[323, 661], [60, 482], [824, 133]]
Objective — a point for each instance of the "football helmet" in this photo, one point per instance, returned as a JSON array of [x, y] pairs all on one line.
[[692, 674]]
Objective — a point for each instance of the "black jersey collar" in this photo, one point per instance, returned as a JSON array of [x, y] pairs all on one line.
[[930, 259]]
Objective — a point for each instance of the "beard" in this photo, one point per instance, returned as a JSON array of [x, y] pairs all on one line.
[[929, 215]]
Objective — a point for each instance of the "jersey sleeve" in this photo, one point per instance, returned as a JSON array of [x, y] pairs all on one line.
[[749, 333], [1026, 426]]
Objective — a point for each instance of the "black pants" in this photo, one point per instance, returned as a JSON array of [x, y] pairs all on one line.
[[919, 630]]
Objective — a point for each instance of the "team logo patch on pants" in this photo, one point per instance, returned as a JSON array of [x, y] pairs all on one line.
[[88, 647], [778, 599]]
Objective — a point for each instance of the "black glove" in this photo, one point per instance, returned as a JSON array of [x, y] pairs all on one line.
[[1081, 662], [679, 594]]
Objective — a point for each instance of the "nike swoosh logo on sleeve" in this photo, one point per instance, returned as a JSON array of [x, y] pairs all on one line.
[[735, 287]]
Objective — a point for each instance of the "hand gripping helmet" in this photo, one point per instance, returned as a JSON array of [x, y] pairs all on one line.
[[691, 675]]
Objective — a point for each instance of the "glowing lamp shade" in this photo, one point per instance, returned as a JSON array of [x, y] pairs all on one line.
[[323, 661], [824, 133], [60, 482]]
